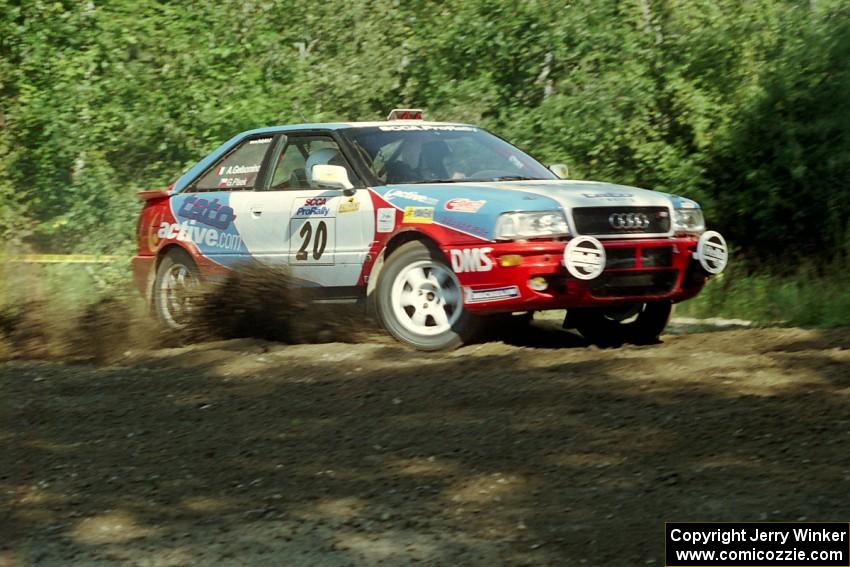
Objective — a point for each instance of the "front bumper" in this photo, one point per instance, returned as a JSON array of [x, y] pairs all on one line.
[[656, 269]]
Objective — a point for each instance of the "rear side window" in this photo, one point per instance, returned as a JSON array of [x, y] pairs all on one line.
[[238, 170]]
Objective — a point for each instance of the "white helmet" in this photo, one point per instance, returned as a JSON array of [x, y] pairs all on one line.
[[320, 157]]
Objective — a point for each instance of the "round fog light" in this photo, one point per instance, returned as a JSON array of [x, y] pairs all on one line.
[[538, 284]]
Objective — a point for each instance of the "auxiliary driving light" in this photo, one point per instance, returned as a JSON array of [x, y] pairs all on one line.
[[538, 283], [510, 260]]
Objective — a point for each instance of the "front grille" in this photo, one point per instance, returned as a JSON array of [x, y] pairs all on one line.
[[621, 220], [634, 284], [657, 257], [620, 258]]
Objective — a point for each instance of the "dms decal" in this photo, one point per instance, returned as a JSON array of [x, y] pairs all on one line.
[[418, 215], [461, 205], [189, 231], [471, 260], [207, 212], [496, 294], [410, 196]]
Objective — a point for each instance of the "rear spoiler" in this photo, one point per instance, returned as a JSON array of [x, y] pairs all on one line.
[[152, 194]]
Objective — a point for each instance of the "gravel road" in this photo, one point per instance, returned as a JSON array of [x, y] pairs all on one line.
[[535, 451]]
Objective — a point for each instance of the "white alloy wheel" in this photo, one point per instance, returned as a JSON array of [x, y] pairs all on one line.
[[426, 298]]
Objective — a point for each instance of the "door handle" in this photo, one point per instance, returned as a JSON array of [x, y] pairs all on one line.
[[256, 212]]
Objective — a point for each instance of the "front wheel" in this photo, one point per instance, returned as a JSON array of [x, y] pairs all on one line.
[[419, 300], [639, 323]]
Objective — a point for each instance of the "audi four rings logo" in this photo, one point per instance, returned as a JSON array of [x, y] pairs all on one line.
[[629, 220]]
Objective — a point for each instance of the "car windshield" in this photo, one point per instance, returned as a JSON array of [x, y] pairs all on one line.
[[441, 154]]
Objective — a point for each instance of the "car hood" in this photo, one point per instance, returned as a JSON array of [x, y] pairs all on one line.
[[473, 207]]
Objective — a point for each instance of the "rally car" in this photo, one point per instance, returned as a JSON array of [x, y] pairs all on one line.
[[437, 226]]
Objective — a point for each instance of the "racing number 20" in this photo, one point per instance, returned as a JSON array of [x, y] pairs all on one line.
[[319, 243]]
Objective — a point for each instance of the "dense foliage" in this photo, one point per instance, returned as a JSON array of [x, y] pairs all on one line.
[[741, 105]]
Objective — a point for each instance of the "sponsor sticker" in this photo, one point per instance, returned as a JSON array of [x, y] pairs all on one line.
[[207, 211], [190, 231], [584, 257], [410, 196], [350, 205], [418, 215], [461, 205], [260, 141], [494, 294], [386, 220], [441, 128], [471, 260], [311, 207], [712, 252], [610, 196]]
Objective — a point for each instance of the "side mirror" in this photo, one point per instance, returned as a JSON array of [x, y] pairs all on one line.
[[331, 177], [561, 170]]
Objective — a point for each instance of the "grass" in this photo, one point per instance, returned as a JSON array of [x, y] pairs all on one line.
[[805, 298]]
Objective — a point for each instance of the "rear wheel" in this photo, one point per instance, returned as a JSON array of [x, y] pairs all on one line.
[[176, 283], [638, 323], [419, 300]]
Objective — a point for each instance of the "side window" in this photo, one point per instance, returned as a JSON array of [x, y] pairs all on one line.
[[238, 169], [301, 152]]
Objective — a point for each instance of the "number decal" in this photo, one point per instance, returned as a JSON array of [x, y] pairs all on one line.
[[305, 234], [321, 240], [319, 244]]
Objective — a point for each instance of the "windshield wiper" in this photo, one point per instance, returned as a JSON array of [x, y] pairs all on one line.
[[516, 178], [423, 181]]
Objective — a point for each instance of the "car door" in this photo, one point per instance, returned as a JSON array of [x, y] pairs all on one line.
[[208, 212], [323, 235]]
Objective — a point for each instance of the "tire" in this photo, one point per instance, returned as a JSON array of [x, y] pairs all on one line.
[[639, 324], [176, 278], [419, 300]]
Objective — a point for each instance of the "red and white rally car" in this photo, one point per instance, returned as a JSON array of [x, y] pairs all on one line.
[[436, 224]]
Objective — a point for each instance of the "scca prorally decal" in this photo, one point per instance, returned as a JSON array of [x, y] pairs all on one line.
[[410, 196], [461, 205], [207, 212], [471, 260], [313, 207]]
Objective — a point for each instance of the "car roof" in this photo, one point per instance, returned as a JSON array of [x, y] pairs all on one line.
[[213, 156], [344, 125]]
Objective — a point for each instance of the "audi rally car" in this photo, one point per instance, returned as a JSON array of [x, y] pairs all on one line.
[[436, 225]]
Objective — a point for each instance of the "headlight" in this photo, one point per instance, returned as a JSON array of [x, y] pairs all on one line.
[[516, 226], [687, 218]]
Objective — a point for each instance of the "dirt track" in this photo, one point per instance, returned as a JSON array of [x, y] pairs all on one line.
[[356, 454]]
